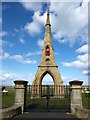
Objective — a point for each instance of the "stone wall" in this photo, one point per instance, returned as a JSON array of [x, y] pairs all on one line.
[[82, 113], [10, 112]]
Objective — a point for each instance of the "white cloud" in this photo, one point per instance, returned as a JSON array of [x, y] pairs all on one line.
[[3, 42], [31, 5], [34, 53], [17, 58], [6, 55], [20, 59], [3, 33], [86, 72], [35, 26], [56, 53], [62, 41], [81, 62], [67, 79], [72, 19], [83, 49], [7, 78], [16, 30], [68, 21], [29, 77], [5, 75], [40, 43], [83, 58], [32, 28], [78, 64], [22, 41]]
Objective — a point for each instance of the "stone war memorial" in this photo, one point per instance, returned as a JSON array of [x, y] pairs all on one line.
[[48, 64], [63, 101]]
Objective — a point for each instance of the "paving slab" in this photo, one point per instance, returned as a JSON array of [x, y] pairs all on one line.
[[60, 115]]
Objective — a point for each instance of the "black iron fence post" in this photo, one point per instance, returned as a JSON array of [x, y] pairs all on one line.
[[48, 97], [29, 88]]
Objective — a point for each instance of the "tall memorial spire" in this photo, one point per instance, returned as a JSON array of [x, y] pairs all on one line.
[[48, 63], [47, 21], [48, 36], [48, 58]]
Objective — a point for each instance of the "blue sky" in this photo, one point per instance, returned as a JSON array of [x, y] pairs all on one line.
[[21, 42]]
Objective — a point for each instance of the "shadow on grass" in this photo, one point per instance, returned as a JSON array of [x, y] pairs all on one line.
[[54, 105], [32, 107]]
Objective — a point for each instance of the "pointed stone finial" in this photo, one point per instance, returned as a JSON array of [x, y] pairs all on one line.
[[47, 21]]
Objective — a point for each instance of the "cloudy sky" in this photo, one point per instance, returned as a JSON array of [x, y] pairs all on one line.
[[21, 39]]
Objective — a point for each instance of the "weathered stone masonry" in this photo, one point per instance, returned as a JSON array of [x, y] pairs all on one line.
[[48, 63]]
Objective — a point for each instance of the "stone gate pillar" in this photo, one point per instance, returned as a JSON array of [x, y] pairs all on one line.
[[76, 94], [20, 93]]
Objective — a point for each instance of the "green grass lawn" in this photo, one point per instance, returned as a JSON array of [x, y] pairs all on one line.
[[36, 103], [86, 101], [8, 99], [55, 103]]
